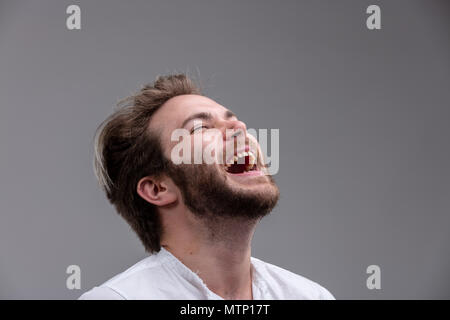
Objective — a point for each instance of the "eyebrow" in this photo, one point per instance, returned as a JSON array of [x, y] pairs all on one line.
[[230, 114], [206, 116]]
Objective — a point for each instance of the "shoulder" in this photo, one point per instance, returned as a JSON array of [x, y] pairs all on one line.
[[142, 280], [101, 293], [286, 285]]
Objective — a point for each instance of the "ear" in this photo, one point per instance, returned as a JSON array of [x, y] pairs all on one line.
[[159, 192]]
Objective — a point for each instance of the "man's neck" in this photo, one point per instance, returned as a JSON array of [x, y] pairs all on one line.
[[219, 253]]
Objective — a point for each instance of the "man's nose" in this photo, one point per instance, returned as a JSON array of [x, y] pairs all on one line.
[[233, 128]]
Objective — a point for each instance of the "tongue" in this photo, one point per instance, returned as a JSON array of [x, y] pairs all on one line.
[[236, 168]]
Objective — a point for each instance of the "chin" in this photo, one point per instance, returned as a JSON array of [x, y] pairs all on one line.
[[255, 182]]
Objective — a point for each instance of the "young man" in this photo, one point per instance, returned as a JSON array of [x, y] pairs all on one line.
[[197, 219]]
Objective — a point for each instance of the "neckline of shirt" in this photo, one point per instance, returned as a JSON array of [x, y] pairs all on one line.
[[258, 285]]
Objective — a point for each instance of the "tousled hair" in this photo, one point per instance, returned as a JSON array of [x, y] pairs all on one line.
[[126, 150]]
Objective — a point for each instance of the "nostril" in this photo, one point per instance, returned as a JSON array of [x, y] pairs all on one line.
[[237, 133]]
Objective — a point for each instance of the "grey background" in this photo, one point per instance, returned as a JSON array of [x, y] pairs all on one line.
[[363, 118]]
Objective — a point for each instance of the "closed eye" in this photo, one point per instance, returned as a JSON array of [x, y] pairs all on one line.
[[196, 128]]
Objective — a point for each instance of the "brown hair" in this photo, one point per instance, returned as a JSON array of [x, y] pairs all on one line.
[[126, 151]]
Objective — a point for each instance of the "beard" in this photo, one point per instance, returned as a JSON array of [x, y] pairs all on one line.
[[210, 194]]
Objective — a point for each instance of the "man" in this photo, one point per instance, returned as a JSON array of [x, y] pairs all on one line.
[[197, 219]]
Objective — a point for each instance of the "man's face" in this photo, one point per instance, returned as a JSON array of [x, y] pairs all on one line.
[[236, 184]]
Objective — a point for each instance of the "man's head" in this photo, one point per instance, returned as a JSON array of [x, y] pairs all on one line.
[[134, 166]]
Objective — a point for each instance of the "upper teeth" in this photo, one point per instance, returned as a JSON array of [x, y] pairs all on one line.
[[242, 155], [251, 157]]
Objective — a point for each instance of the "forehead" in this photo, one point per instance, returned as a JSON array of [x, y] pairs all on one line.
[[172, 113]]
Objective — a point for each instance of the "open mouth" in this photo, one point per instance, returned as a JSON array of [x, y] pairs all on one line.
[[242, 162]]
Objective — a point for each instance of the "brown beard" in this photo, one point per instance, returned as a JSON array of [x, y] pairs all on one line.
[[208, 195]]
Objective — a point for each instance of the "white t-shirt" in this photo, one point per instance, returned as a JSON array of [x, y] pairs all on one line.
[[162, 276]]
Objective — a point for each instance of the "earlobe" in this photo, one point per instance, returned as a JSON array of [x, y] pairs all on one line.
[[155, 192]]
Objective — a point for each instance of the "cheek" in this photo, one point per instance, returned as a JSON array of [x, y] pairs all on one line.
[[207, 148], [213, 147], [201, 148]]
